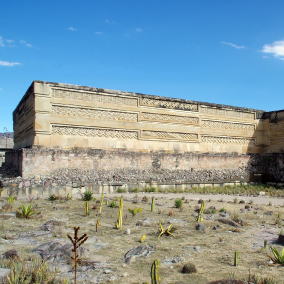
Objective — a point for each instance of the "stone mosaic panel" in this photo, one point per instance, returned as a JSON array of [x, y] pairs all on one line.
[[227, 125], [277, 127], [227, 140], [169, 135], [94, 132], [277, 141], [227, 112], [168, 118], [93, 97], [167, 104], [94, 113]]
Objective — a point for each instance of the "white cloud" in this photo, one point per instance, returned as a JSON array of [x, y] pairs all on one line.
[[110, 22], [9, 40], [98, 33], [233, 45], [1, 42], [10, 64], [72, 29], [264, 56], [139, 30], [25, 43], [276, 49]]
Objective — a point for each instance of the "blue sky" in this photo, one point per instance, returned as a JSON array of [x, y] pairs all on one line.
[[219, 51]]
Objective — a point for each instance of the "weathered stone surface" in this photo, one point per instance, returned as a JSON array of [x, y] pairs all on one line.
[[49, 225], [200, 227], [10, 254], [4, 273], [137, 252], [177, 259], [55, 251], [7, 216], [229, 222]]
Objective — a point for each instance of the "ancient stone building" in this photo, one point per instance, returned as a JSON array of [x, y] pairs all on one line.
[[60, 128]]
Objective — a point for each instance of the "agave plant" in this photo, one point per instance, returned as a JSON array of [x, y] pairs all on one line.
[[26, 212], [277, 257]]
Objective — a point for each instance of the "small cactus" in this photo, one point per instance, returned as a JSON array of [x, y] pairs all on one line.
[[199, 218], [236, 258], [101, 203], [155, 277], [143, 238], [120, 213], [98, 225], [87, 208], [189, 268], [153, 204]]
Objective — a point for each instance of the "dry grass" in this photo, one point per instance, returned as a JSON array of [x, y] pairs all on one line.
[[212, 251]]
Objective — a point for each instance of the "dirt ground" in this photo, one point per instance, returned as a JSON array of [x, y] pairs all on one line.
[[211, 251]]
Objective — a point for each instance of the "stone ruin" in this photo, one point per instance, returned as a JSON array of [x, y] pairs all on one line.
[[88, 138]]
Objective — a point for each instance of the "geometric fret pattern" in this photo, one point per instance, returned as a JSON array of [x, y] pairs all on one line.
[[94, 113], [93, 97], [227, 125], [227, 140], [168, 118]]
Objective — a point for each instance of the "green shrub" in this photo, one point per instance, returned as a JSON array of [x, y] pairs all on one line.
[[135, 189], [178, 203], [113, 204], [30, 271], [87, 195], [53, 197], [145, 199], [150, 189], [121, 190], [26, 212], [222, 209]]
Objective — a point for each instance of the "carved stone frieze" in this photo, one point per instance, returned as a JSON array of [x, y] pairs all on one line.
[[169, 135], [94, 113], [277, 127], [212, 124], [94, 132], [168, 104], [277, 141], [169, 118], [93, 97], [227, 112], [227, 140]]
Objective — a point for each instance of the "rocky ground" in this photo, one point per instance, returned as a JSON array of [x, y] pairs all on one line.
[[118, 256], [10, 176]]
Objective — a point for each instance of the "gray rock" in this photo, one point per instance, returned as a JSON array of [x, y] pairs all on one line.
[[229, 222], [49, 225], [217, 227], [197, 248], [200, 227], [10, 254], [7, 216], [176, 259], [139, 251], [178, 221], [55, 251], [4, 273]]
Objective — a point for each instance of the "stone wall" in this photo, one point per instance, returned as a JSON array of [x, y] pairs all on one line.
[[53, 115], [66, 133], [126, 166]]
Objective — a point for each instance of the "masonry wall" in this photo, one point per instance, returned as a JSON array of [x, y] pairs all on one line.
[[65, 116], [74, 131]]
